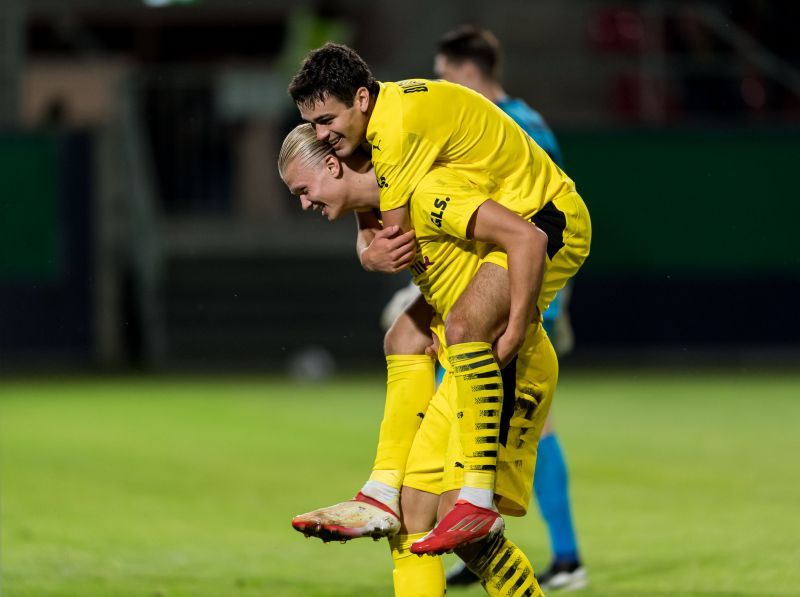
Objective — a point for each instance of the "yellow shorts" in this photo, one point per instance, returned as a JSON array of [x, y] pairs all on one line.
[[433, 463], [566, 222]]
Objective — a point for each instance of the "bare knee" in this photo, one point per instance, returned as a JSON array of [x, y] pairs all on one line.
[[418, 510], [457, 329], [410, 332], [401, 339]]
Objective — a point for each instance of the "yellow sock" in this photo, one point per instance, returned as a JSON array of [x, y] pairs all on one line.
[[479, 390], [413, 575], [504, 570], [409, 388]]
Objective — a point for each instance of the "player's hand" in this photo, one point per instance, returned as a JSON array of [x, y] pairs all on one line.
[[433, 350], [508, 345], [389, 252]]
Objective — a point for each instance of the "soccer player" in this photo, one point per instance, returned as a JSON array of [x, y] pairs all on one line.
[[410, 126], [447, 248], [472, 57]]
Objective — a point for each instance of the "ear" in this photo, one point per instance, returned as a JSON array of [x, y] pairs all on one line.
[[333, 165], [361, 100]]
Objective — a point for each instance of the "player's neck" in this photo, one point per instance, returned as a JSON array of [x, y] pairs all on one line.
[[363, 190], [492, 90]]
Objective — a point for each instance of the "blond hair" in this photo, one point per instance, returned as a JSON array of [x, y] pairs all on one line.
[[302, 143]]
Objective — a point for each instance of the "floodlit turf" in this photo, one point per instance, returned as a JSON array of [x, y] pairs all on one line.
[[168, 487]]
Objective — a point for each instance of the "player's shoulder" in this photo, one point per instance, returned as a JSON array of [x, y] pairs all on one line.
[[442, 182], [418, 88], [442, 179]]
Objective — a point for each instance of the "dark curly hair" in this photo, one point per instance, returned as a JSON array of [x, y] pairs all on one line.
[[479, 46], [332, 70]]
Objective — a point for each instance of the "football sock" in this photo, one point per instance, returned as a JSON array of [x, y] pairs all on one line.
[[479, 392], [415, 576], [479, 497], [550, 483], [504, 570], [383, 493], [409, 389]]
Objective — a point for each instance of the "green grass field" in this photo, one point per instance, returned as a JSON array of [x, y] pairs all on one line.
[[167, 487]]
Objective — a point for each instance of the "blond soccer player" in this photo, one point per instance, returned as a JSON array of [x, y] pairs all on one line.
[[454, 247]]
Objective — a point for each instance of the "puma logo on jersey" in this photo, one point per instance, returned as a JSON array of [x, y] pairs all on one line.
[[420, 266]]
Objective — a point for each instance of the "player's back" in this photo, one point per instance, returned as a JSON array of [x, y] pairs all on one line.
[[417, 124]]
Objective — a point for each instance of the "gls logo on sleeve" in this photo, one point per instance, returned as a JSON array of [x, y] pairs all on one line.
[[441, 205]]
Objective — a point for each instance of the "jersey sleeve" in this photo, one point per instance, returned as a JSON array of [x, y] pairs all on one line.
[[400, 165], [445, 202], [404, 144]]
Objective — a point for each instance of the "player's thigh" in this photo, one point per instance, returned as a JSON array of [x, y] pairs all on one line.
[[480, 314]]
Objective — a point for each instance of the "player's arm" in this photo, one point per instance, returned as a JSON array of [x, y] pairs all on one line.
[[383, 248], [525, 245]]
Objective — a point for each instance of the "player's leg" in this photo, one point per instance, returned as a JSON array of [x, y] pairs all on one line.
[[474, 322], [502, 567], [414, 575], [551, 486], [551, 479], [410, 385], [497, 563], [535, 373], [409, 388], [552, 496]]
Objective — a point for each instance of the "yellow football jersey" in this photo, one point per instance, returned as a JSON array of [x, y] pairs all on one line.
[[418, 124], [446, 261], [441, 208]]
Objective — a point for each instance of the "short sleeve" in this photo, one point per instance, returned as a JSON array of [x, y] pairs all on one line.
[[444, 203]]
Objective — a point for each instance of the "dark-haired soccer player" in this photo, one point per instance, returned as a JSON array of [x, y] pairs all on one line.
[[472, 57], [409, 127], [453, 252]]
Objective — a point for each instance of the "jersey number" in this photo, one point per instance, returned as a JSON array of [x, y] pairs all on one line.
[[412, 86]]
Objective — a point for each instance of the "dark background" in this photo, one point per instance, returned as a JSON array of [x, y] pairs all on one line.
[[142, 223]]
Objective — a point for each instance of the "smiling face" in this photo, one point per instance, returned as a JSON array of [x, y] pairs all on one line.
[[343, 128], [318, 186]]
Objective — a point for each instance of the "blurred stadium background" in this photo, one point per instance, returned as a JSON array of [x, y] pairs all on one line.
[[164, 303]]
